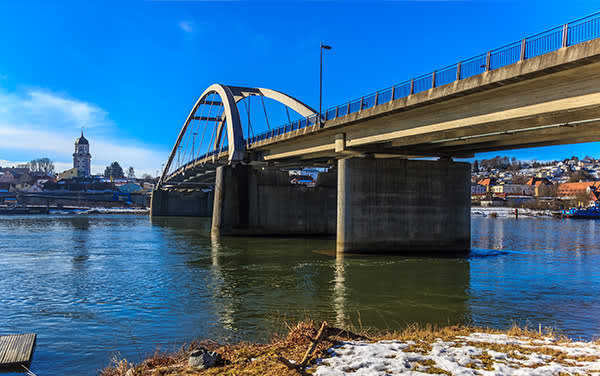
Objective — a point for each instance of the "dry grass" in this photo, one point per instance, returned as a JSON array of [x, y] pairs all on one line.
[[263, 359], [241, 358]]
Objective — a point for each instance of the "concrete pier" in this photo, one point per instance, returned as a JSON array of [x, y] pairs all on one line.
[[250, 201], [184, 204], [370, 204], [397, 205]]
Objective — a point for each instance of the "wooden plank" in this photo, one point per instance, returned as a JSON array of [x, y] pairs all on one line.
[[16, 349]]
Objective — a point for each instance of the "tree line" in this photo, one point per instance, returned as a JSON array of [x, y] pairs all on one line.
[[114, 170]]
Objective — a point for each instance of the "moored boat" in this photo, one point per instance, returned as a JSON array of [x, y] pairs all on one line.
[[592, 212]]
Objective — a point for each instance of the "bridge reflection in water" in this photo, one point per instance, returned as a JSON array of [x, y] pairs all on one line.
[[526, 271], [254, 284]]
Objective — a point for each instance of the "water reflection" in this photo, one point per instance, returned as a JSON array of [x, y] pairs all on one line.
[[79, 241], [339, 291], [94, 286], [256, 283]]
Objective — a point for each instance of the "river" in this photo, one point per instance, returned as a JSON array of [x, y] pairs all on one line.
[[98, 286]]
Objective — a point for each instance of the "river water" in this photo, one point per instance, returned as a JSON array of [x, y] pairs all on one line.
[[94, 287]]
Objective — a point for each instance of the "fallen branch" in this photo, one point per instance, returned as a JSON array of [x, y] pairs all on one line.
[[314, 344], [324, 333]]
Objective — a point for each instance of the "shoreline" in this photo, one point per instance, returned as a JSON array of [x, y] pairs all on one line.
[[480, 211], [74, 210], [327, 351], [101, 210]]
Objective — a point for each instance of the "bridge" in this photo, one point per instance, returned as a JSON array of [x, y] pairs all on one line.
[[389, 181]]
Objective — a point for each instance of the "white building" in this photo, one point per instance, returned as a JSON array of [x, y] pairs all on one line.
[[82, 157], [514, 189]]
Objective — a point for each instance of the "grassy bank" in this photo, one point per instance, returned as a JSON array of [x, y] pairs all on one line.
[[416, 350]]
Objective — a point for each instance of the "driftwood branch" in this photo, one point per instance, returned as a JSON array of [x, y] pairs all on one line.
[[324, 333]]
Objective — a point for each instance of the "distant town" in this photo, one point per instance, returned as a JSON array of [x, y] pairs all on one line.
[[503, 181], [20, 184], [499, 181]]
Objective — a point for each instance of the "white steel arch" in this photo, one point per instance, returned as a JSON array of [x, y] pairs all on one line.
[[230, 95]]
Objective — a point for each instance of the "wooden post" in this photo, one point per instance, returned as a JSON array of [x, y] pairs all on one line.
[[348, 110], [458, 71], [433, 80], [487, 60], [337, 108], [376, 98], [412, 86], [523, 45], [393, 93], [565, 35], [361, 103]]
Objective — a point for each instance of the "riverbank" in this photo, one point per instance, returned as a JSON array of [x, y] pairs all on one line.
[[453, 350], [481, 211], [101, 210], [69, 210]]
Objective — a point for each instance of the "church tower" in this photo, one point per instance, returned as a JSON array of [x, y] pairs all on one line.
[[82, 157]]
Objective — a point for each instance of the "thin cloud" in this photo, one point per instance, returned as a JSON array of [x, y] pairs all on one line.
[[38, 123], [186, 26], [43, 107]]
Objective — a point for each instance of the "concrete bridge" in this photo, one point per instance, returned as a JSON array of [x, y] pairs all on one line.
[[389, 181]]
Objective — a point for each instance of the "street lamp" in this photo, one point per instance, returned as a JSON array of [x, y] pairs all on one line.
[[326, 47]]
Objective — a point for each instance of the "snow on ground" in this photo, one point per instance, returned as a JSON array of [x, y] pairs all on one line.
[[100, 210], [508, 212], [476, 354], [117, 210]]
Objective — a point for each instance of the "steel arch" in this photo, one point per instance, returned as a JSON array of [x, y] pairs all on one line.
[[230, 96]]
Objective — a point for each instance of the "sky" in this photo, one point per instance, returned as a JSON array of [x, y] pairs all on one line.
[[128, 72]]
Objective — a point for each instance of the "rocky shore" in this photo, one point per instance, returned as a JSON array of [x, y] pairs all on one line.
[[308, 349]]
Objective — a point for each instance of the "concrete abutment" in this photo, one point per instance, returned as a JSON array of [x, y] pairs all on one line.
[[184, 204]]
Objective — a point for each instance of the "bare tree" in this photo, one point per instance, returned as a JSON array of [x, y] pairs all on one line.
[[114, 171], [43, 165], [580, 175], [548, 190], [520, 179]]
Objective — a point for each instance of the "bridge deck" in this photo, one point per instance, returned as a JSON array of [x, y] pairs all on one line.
[[533, 98]]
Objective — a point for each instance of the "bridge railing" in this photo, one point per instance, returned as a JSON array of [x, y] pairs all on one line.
[[572, 33]]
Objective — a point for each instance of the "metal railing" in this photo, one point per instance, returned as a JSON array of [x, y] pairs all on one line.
[[578, 31]]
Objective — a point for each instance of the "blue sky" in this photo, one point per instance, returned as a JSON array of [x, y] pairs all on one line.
[[129, 72]]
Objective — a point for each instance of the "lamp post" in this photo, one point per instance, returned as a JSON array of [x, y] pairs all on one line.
[[326, 47]]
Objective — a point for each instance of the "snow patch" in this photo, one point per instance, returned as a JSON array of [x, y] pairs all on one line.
[[476, 354]]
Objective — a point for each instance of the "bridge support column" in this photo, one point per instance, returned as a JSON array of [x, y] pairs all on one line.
[[250, 201], [183, 204], [396, 205], [231, 206]]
